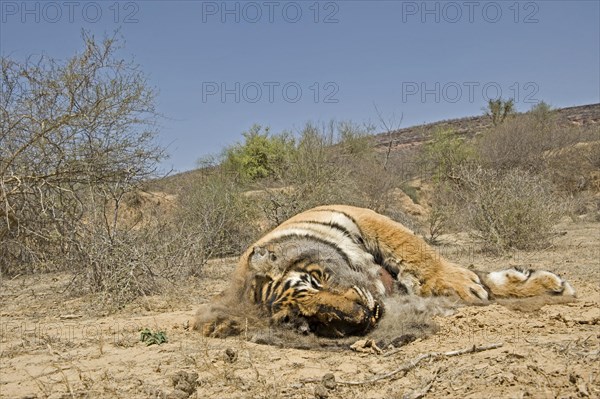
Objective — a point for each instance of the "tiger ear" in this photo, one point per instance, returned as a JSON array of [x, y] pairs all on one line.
[[259, 260], [259, 251]]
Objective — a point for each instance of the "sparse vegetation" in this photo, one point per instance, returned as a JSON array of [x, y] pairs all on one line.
[[442, 213], [445, 153], [498, 110], [333, 163], [215, 219], [78, 138], [261, 155], [509, 210], [510, 186], [152, 338], [78, 150], [130, 247]]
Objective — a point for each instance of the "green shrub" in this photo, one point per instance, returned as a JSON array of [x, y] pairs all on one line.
[[445, 153], [153, 338], [314, 176], [261, 155], [499, 110]]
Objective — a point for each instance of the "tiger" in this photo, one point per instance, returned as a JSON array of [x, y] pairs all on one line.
[[329, 270]]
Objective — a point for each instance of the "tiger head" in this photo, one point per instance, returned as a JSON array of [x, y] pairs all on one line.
[[302, 293]]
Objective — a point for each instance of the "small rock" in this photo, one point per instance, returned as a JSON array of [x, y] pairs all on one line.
[[184, 382], [329, 381], [192, 377], [185, 386], [583, 391], [403, 340], [178, 376], [178, 394], [231, 355], [366, 346], [321, 392]]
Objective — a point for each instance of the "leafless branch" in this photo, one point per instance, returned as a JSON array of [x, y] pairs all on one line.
[[406, 367]]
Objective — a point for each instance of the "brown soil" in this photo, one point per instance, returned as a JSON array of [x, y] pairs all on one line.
[[56, 346]]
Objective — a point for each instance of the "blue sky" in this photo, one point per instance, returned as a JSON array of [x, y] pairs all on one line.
[[221, 66]]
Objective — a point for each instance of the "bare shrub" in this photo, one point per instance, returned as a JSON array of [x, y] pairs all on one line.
[[374, 182], [567, 155], [317, 173], [509, 209], [121, 267], [215, 217], [576, 167], [516, 143], [524, 141], [210, 218], [442, 212], [145, 252], [370, 175], [75, 135]]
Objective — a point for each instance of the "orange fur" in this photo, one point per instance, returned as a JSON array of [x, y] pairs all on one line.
[[365, 250]]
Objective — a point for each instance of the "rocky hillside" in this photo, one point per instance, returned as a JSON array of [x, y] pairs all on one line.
[[581, 115], [406, 138]]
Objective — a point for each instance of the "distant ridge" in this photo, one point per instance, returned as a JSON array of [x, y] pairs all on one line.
[[415, 135], [471, 125]]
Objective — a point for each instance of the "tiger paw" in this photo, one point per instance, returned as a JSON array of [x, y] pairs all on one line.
[[220, 328], [522, 283], [459, 281]]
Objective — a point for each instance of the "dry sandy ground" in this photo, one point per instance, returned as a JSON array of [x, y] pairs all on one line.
[[60, 347]]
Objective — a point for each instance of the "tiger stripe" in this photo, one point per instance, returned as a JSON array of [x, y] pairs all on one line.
[[332, 267]]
